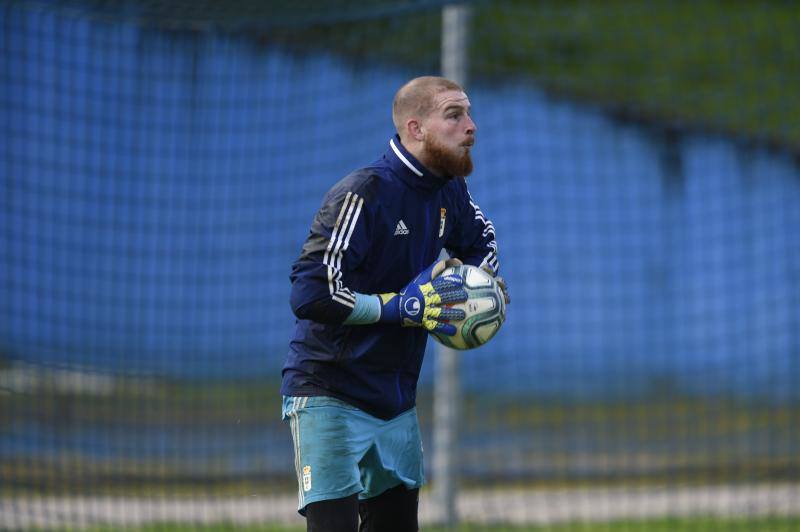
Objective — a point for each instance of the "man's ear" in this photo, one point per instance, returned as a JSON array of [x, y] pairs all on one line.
[[414, 128]]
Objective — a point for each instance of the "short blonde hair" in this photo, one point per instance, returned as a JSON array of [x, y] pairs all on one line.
[[416, 98]]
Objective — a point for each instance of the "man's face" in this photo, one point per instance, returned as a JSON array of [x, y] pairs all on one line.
[[449, 135]]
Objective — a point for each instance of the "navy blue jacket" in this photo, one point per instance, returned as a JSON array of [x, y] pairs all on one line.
[[376, 230]]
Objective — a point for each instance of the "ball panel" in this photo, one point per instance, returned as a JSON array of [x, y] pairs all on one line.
[[480, 305], [477, 278], [484, 332]]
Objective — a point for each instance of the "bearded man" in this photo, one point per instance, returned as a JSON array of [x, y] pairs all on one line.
[[366, 291]]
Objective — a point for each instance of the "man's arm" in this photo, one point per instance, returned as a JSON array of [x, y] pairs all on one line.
[[337, 243], [474, 241], [424, 302]]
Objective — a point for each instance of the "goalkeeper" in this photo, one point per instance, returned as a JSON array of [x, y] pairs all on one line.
[[366, 290]]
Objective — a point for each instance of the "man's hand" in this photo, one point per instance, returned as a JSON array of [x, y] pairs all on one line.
[[422, 303], [500, 282]]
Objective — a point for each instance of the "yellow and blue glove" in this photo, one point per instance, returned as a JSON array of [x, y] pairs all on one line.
[[423, 302]]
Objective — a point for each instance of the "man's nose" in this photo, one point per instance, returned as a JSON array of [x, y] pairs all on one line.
[[471, 126]]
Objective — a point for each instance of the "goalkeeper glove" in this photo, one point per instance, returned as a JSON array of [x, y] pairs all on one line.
[[422, 303], [500, 282]]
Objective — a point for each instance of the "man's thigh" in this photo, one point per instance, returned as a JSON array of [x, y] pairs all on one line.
[[394, 510], [394, 457], [330, 437]]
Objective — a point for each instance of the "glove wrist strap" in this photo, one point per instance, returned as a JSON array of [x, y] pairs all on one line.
[[367, 310], [390, 308]]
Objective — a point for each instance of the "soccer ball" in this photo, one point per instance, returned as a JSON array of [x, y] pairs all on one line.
[[485, 308]]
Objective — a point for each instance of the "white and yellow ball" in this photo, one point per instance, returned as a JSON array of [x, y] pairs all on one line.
[[485, 309]]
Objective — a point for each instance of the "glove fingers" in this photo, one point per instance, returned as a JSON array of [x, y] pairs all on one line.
[[452, 314], [429, 273], [438, 314], [442, 265], [454, 295], [451, 289], [445, 328], [449, 263], [502, 284], [448, 282]]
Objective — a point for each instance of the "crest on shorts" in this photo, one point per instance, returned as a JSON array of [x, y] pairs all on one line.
[[442, 220], [307, 478]]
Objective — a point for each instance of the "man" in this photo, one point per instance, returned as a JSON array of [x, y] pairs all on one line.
[[366, 290]]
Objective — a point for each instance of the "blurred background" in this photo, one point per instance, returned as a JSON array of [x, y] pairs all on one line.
[[160, 164]]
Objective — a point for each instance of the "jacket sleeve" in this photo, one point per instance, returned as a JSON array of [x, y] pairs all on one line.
[[337, 243], [473, 239]]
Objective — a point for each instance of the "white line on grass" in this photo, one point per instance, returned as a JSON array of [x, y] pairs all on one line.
[[478, 506]]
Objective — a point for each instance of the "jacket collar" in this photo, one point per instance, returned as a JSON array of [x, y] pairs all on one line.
[[409, 169]]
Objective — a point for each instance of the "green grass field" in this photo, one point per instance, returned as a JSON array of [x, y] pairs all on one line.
[[700, 524]]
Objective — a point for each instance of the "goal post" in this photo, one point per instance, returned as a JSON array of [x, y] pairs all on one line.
[[446, 413]]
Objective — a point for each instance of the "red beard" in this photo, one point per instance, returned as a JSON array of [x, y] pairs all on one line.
[[446, 161]]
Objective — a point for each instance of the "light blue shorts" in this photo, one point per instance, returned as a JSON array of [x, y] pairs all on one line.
[[340, 450]]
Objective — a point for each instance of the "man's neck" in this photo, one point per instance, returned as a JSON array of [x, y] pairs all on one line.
[[418, 151]]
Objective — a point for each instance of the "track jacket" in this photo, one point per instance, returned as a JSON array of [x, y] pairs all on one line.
[[376, 230]]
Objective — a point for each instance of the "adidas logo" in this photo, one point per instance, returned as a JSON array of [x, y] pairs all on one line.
[[401, 229]]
